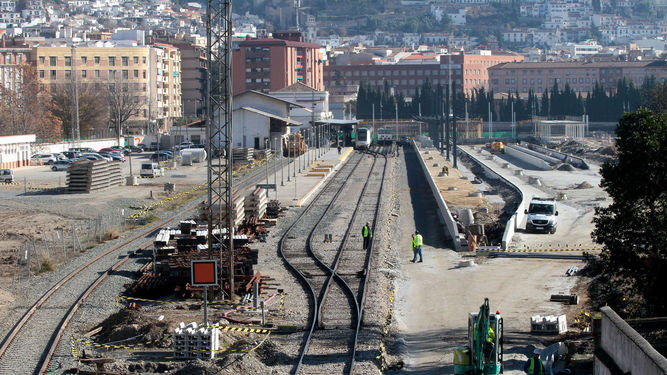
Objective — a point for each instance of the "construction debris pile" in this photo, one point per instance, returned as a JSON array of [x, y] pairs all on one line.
[[85, 176]]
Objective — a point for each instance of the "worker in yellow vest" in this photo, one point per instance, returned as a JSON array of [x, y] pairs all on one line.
[[367, 235], [534, 365], [417, 243]]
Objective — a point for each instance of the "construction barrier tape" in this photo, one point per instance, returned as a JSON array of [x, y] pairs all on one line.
[[136, 299], [161, 202], [540, 249], [241, 329], [94, 344], [282, 301]]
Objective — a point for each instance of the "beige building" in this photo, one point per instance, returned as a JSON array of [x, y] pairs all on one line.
[[580, 76], [152, 74]]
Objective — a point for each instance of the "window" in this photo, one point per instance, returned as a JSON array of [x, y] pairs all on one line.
[[144, 74], [125, 75], [84, 60], [136, 73], [97, 60], [124, 60], [112, 74], [52, 61], [41, 74], [41, 60], [143, 59], [68, 60], [53, 74], [84, 73], [97, 74], [135, 60], [507, 81], [524, 81], [68, 73], [112, 61], [539, 81]]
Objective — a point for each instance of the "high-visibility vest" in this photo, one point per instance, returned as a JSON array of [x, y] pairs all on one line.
[[417, 241], [492, 336], [366, 232], [531, 367]]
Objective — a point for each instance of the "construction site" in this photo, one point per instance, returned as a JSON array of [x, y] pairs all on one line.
[[303, 259]]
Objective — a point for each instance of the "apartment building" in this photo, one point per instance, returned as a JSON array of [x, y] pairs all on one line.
[[469, 71], [580, 76], [271, 64], [193, 79], [150, 73], [12, 56]]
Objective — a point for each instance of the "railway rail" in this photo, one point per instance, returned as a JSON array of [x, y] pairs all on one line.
[[29, 346], [335, 275]]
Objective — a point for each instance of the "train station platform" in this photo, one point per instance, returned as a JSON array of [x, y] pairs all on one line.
[[299, 182]]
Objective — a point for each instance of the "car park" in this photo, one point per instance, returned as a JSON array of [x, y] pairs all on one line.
[[61, 165], [6, 175], [44, 159], [82, 149]]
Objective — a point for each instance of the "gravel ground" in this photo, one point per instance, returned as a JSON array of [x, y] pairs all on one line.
[[276, 355]]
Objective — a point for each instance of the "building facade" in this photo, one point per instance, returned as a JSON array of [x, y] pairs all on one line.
[[469, 71], [12, 56], [580, 76], [271, 64], [152, 74]]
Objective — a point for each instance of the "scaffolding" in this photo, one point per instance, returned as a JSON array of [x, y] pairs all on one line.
[[570, 129]]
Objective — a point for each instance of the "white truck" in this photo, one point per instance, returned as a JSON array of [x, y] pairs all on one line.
[[541, 215]]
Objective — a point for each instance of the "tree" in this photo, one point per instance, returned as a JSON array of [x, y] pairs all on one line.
[[123, 102], [633, 229], [24, 107], [92, 108]]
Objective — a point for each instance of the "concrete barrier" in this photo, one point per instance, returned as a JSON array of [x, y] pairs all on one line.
[[443, 211], [623, 350], [517, 217], [565, 158], [547, 158], [527, 158]]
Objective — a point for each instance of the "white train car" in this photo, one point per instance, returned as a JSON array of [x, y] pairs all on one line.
[[384, 136], [364, 138]]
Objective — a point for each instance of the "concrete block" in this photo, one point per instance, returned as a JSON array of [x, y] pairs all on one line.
[[518, 172]]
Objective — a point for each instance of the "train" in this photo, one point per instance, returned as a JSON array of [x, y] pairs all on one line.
[[364, 138], [384, 136]]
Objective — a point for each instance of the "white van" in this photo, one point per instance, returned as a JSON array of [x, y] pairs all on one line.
[[150, 170], [542, 215], [6, 175]]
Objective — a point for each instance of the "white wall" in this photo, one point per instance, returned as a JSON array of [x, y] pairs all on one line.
[[248, 125]]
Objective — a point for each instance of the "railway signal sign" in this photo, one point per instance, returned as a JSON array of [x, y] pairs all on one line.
[[204, 273], [266, 186]]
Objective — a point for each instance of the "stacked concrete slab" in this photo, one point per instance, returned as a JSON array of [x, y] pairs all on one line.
[[256, 203], [86, 176], [243, 154]]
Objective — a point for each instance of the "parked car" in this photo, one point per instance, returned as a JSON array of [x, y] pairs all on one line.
[[61, 165], [6, 175], [94, 156], [115, 156], [106, 149], [72, 154], [136, 149], [123, 150], [183, 145], [163, 155], [44, 158], [197, 146], [82, 149], [143, 146]]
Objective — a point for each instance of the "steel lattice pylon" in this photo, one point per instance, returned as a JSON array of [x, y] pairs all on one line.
[[219, 132]]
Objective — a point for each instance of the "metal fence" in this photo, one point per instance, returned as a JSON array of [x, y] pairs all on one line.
[[41, 254]]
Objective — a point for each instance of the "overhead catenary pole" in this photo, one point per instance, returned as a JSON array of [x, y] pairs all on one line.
[[219, 129], [76, 132]]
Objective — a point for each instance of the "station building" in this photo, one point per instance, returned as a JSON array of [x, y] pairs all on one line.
[[15, 150]]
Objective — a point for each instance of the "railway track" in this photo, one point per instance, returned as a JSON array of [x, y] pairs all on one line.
[[29, 346], [334, 274]]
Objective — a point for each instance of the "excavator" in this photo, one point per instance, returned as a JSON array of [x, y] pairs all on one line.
[[484, 353]]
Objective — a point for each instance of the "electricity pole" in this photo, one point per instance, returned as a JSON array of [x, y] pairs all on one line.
[[219, 133]]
